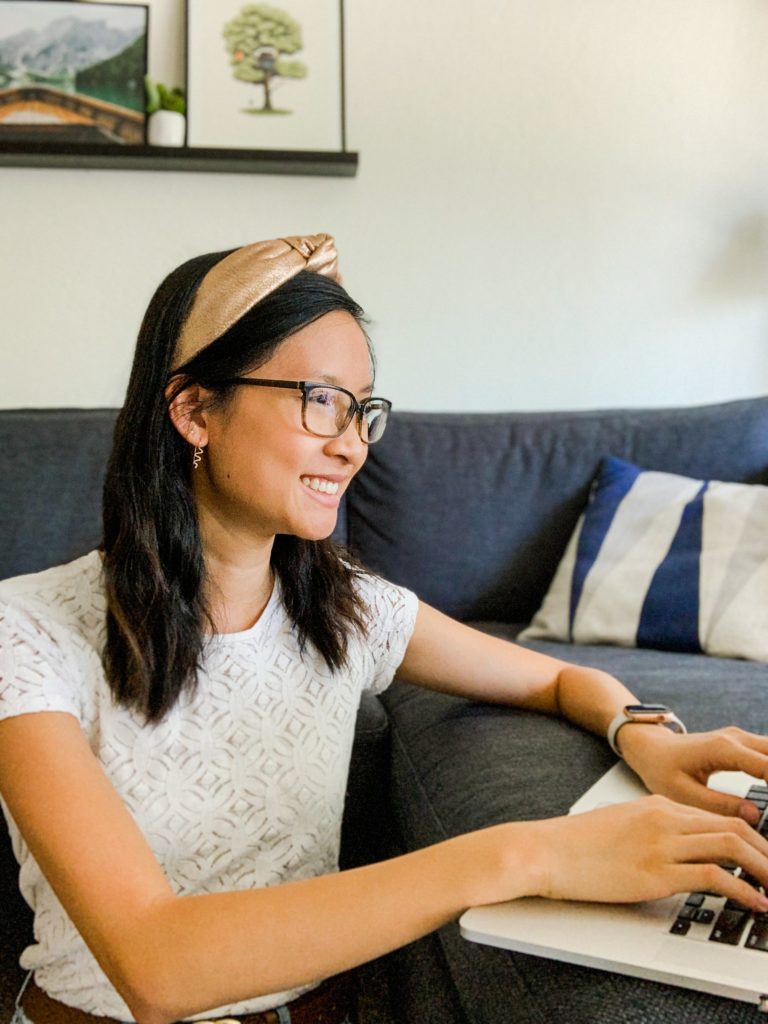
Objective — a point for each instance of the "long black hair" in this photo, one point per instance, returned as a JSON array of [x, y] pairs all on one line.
[[154, 569]]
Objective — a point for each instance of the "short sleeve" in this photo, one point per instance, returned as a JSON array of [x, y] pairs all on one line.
[[391, 620], [35, 671]]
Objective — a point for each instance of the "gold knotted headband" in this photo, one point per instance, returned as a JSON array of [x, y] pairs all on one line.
[[245, 277]]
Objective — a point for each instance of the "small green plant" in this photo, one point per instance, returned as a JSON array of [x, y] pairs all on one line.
[[160, 97]]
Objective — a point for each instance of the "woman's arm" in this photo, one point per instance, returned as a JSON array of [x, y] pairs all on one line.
[[171, 956], [451, 657], [448, 656]]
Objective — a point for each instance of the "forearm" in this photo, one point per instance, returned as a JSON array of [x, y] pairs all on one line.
[[451, 657], [184, 955], [171, 956], [591, 698]]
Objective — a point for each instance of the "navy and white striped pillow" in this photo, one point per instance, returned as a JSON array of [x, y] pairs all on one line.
[[664, 561]]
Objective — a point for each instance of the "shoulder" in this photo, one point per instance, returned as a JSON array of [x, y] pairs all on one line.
[[390, 618], [386, 605], [70, 596], [51, 630]]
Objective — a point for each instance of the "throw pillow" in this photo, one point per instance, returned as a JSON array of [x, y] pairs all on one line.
[[664, 561]]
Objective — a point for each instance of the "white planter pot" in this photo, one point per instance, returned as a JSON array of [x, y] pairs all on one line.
[[166, 128]]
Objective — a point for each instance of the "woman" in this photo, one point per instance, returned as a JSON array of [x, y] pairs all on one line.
[[177, 711]]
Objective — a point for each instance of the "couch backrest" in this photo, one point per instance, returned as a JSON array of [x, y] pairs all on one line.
[[52, 464], [51, 471], [474, 511]]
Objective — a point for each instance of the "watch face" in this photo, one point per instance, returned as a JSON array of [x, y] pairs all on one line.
[[646, 709]]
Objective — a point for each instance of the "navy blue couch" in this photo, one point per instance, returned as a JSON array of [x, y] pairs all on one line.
[[473, 512]]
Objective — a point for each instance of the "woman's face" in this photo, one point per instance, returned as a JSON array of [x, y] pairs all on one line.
[[260, 471]]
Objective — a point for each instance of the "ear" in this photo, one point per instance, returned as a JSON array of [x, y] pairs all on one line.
[[187, 413]]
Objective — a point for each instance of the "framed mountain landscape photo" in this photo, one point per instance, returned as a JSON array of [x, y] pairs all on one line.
[[265, 76], [72, 72]]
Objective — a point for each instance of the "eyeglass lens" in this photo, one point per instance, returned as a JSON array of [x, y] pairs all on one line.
[[328, 411]]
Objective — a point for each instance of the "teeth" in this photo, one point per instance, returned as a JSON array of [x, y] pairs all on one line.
[[316, 484]]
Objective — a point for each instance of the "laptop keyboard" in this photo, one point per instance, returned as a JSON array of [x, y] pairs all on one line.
[[711, 918]]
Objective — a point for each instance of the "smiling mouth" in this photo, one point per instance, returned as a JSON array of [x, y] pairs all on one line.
[[316, 483]]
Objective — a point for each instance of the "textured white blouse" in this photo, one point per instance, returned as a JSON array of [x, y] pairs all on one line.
[[241, 785]]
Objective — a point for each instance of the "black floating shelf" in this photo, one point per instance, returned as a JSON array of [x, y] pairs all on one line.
[[181, 158]]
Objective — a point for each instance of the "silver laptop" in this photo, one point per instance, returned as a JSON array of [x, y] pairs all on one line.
[[694, 940]]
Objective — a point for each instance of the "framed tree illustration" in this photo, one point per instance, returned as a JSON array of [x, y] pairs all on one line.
[[266, 76]]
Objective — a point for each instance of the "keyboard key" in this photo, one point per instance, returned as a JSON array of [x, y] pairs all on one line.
[[750, 880], [735, 905], [758, 937], [704, 916], [687, 913], [729, 927], [695, 899], [680, 927]]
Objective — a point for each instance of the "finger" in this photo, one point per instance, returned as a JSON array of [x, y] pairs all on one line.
[[698, 795], [702, 822], [725, 848], [733, 749], [752, 740], [696, 824], [712, 878]]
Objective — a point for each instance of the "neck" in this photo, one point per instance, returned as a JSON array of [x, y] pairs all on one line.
[[239, 576]]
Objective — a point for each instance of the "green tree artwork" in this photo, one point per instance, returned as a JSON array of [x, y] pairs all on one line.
[[257, 40]]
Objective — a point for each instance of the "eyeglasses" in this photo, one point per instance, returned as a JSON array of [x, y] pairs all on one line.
[[327, 410]]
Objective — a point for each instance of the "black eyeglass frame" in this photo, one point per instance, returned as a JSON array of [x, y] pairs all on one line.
[[356, 409]]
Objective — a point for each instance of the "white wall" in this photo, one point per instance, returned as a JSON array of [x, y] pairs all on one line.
[[559, 204]]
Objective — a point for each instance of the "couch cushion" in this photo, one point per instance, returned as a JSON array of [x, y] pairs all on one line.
[[458, 766], [665, 561], [707, 692], [474, 511], [367, 826], [15, 925], [52, 465]]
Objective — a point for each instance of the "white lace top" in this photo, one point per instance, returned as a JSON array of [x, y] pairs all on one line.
[[240, 786]]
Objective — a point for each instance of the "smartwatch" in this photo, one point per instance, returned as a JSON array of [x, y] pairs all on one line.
[[643, 714]]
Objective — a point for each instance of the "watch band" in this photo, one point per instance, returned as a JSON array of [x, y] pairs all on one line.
[[642, 714]]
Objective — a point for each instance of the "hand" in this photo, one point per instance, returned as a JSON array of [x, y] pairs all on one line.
[[646, 849], [680, 766]]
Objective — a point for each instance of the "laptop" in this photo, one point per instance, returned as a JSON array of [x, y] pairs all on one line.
[[694, 940]]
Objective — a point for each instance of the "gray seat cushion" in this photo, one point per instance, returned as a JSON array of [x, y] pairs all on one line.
[[458, 766], [478, 764]]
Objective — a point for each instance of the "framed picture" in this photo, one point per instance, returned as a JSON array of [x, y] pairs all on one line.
[[72, 72], [265, 76]]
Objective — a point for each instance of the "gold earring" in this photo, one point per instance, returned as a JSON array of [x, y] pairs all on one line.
[[197, 459]]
